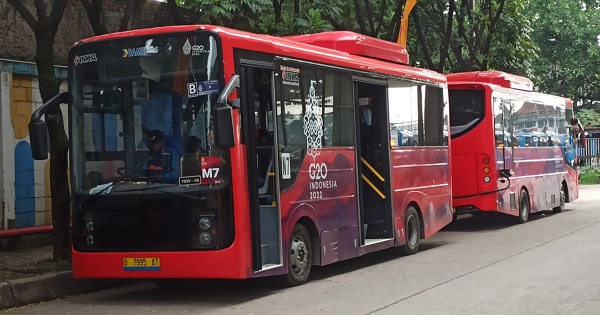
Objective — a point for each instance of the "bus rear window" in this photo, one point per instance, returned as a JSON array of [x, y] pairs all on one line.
[[466, 110]]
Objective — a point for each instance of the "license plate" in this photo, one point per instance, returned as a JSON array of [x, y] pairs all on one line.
[[141, 264]]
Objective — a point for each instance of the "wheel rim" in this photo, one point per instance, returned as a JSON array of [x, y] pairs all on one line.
[[411, 231], [298, 256]]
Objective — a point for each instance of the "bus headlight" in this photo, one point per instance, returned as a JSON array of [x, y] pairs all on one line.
[[204, 224], [90, 240], [205, 238], [486, 179], [89, 226]]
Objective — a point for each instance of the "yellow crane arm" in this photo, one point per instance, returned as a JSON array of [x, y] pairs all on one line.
[[402, 38]]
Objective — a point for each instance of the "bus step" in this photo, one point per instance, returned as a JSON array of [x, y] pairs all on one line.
[[377, 233]]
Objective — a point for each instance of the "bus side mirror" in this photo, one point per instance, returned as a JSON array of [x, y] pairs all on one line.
[[224, 115], [38, 137], [224, 124], [38, 130]]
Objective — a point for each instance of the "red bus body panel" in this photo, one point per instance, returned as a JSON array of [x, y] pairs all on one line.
[[420, 176]]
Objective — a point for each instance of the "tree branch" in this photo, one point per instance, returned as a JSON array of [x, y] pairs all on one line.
[[24, 12], [334, 22], [393, 30], [380, 17], [129, 11], [446, 40], [57, 12], [463, 34], [488, 41], [86, 5], [369, 18], [422, 40], [359, 17]]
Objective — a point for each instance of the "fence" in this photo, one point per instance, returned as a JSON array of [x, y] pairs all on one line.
[[590, 155]]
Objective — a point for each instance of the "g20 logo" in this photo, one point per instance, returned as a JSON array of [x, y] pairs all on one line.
[[317, 171]]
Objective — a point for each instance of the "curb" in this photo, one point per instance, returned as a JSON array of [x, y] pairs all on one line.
[[47, 287]]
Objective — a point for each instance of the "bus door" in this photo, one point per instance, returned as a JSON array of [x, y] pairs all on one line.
[[373, 166], [259, 135], [503, 109]]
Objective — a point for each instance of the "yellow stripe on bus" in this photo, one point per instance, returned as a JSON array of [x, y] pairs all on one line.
[[372, 170]]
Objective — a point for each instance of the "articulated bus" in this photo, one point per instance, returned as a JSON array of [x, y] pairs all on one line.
[[513, 150], [276, 153]]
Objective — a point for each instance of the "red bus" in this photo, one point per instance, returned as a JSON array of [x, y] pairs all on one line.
[[268, 154], [513, 150]]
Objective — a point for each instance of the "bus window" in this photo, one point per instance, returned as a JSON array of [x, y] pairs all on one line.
[[324, 97], [467, 110]]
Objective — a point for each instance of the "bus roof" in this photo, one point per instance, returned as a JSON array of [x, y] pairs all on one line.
[[356, 44], [495, 77], [349, 53]]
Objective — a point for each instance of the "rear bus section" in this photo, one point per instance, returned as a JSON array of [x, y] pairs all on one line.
[[512, 148], [474, 179]]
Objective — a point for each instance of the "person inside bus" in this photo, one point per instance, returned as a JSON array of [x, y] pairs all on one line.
[[156, 143], [569, 155]]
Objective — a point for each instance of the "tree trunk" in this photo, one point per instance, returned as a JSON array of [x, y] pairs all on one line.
[[45, 28], [95, 13], [277, 10], [49, 87], [173, 9]]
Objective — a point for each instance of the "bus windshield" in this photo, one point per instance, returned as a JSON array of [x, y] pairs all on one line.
[[466, 110], [142, 113]]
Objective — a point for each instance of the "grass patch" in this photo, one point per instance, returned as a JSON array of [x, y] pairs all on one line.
[[589, 176]]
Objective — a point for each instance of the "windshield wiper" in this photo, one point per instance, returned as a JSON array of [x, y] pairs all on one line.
[[106, 188]]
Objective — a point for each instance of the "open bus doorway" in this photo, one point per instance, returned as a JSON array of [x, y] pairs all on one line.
[[373, 151]]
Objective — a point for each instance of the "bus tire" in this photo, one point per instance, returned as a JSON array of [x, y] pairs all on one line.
[[300, 256], [412, 235], [563, 197], [524, 208]]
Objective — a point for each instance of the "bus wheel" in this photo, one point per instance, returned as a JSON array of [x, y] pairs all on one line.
[[300, 259], [412, 226], [523, 207], [563, 198]]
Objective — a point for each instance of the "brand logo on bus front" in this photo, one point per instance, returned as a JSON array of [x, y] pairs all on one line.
[[84, 59], [135, 52]]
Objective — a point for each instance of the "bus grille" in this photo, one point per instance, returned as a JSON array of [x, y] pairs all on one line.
[[143, 231]]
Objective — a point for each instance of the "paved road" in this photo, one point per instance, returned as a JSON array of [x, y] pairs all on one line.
[[475, 266]]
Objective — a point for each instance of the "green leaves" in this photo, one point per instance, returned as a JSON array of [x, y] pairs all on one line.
[[313, 22], [588, 117], [568, 64], [554, 42]]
